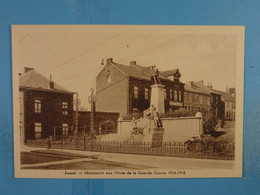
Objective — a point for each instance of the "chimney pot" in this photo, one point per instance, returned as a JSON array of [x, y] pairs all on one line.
[[27, 69], [109, 60], [132, 63], [51, 83]]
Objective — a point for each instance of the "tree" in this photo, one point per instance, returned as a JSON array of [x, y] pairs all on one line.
[[210, 121]]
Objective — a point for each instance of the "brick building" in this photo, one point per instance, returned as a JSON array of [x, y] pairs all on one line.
[[216, 104], [196, 99], [230, 105], [127, 89], [46, 109]]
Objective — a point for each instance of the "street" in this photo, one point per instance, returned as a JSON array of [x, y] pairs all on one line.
[[36, 158]]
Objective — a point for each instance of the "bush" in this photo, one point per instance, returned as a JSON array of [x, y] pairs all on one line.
[[209, 122], [130, 116], [205, 144], [181, 112]]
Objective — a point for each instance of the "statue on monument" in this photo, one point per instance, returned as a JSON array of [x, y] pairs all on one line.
[[156, 75], [136, 129], [140, 124], [152, 113]]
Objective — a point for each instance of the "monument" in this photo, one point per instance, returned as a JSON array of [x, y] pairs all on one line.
[[150, 128], [157, 92]]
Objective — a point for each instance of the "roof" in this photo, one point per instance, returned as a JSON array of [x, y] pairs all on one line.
[[138, 71], [225, 95], [33, 79], [168, 73], [208, 90], [202, 87], [193, 90]]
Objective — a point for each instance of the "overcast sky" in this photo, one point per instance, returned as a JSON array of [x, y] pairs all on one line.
[[73, 54]]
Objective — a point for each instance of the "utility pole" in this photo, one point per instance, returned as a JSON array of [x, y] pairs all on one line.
[[77, 114], [92, 103]]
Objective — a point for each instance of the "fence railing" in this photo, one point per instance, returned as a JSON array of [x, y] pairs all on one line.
[[210, 150]]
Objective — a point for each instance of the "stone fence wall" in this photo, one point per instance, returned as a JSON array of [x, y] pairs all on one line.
[[178, 129]]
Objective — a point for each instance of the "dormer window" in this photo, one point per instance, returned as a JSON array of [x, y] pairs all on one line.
[[108, 78], [176, 77]]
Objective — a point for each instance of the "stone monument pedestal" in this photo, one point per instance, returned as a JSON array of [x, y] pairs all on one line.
[[157, 98]]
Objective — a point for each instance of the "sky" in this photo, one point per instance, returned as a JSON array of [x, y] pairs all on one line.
[[72, 54]]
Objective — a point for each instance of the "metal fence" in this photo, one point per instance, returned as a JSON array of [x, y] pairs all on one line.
[[209, 150]]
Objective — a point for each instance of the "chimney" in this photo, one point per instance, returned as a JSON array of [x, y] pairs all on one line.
[[109, 60], [227, 89], [27, 69], [201, 82], [51, 83], [191, 83], [209, 85], [132, 63]]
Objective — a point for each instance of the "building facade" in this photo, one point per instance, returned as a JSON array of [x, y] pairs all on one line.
[[217, 106], [196, 100], [46, 109], [229, 105], [127, 89]]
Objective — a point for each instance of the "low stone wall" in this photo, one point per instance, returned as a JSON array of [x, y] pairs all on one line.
[[178, 129], [181, 129]]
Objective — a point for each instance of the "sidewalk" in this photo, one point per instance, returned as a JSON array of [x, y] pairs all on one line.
[[160, 162]]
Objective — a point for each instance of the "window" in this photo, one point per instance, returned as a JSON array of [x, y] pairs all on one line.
[[65, 129], [175, 95], [208, 101], [164, 93], [135, 92], [201, 100], [180, 96], [65, 107], [228, 114], [108, 78], [37, 106], [170, 94], [186, 97], [146, 93], [135, 110], [37, 130]]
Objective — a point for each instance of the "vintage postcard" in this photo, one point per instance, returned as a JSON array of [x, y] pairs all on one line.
[[127, 101]]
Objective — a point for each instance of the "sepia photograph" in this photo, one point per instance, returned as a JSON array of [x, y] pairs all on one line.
[[127, 101]]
